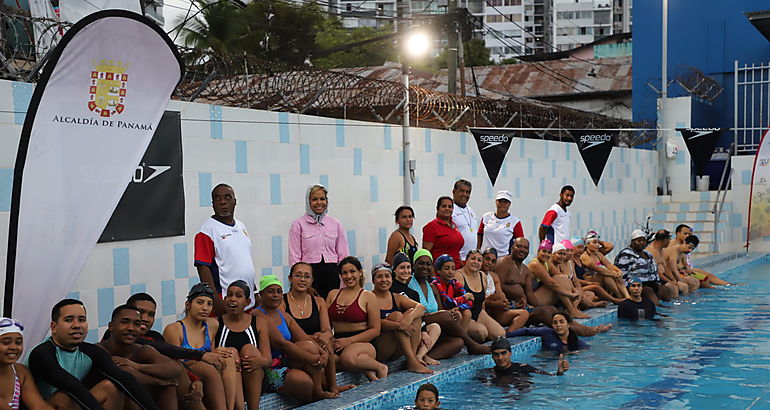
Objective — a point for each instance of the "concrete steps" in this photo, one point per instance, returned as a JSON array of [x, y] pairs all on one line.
[[694, 209]]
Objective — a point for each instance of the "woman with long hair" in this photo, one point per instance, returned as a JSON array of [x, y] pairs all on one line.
[[610, 277], [246, 338], [197, 331], [16, 384], [558, 337], [355, 319], [402, 240], [318, 239], [311, 314], [482, 327]]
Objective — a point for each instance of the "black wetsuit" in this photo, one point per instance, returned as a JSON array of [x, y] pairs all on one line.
[[628, 309], [156, 340], [45, 367]]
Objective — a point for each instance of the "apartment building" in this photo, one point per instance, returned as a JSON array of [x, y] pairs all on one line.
[[578, 22]]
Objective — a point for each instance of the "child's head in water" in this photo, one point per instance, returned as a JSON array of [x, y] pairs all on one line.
[[427, 397]]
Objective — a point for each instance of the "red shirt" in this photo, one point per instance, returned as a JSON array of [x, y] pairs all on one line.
[[446, 239]]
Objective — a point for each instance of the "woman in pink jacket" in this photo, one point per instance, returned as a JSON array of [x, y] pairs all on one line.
[[318, 239]]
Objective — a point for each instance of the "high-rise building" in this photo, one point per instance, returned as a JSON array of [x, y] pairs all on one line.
[[578, 22]]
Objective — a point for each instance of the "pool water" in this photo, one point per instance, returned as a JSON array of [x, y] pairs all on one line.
[[712, 352]]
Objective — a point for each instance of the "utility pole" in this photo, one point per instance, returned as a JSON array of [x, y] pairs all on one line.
[[402, 28], [461, 56], [451, 54]]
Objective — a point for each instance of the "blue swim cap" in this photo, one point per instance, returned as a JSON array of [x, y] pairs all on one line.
[[441, 260]]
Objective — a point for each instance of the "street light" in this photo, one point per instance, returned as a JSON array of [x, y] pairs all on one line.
[[415, 43]]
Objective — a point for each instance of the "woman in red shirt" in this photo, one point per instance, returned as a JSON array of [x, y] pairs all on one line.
[[440, 236]]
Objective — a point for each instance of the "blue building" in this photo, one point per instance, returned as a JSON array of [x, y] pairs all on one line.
[[705, 38]]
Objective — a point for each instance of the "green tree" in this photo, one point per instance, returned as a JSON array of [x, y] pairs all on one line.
[[333, 36], [475, 53]]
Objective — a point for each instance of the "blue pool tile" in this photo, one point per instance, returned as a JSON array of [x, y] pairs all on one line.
[[504, 169], [22, 94], [73, 295], [284, 136], [120, 267], [440, 164], [6, 188], [138, 288], [542, 186], [387, 138], [275, 189], [340, 128], [382, 235], [204, 188], [522, 147], [517, 187], [546, 149], [105, 300], [574, 169], [351, 234], [553, 168], [304, 158], [416, 189], [428, 140], [374, 195], [241, 157], [463, 148], [357, 161], [168, 297], [530, 168], [323, 179], [215, 122], [474, 166], [746, 177], [277, 250]]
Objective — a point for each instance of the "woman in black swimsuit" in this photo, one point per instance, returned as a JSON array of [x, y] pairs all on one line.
[[310, 312], [247, 339], [401, 322], [401, 240], [482, 327]]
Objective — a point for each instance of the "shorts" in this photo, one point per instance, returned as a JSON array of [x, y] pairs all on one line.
[[654, 285], [343, 335], [274, 379], [701, 277]]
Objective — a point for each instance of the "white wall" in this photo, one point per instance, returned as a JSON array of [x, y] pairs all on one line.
[[270, 164]]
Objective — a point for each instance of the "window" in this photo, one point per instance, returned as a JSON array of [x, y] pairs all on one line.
[[513, 2], [496, 2]]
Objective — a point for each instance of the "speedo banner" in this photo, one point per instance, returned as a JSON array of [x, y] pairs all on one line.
[[493, 144], [91, 117], [759, 197], [595, 147], [157, 177], [700, 143]]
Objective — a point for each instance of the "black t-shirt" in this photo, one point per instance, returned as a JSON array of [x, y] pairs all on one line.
[[400, 288], [628, 309]]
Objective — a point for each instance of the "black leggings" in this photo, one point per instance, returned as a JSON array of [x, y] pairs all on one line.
[[326, 276]]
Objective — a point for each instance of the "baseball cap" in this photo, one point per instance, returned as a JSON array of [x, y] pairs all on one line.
[[504, 195], [638, 233]]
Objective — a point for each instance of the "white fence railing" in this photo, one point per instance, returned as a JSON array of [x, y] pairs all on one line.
[[752, 106]]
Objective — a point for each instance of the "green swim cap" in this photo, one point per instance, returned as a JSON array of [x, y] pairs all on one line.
[[422, 252]]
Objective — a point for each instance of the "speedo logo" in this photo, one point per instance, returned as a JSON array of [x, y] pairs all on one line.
[[493, 140], [699, 132], [145, 173], [594, 140]]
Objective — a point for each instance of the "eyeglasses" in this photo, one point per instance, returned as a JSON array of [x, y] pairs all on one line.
[[8, 322], [306, 277]]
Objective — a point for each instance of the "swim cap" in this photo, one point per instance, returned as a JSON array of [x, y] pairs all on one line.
[[441, 260], [200, 289], [381, 266], [243, 285], [400, 258], [546, 244], [558, 247], [633, 279], [269, 280], [489, 250], [422, 252], [567, 244], [500, 343], [590, 236], [8, 325], [576, 240]]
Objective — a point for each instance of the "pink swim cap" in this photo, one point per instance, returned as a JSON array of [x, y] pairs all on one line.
[[567, 244], [546, 244]]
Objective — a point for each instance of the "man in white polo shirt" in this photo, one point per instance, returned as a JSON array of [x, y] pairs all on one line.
[[463, 216], [555, 225], [223, 248]]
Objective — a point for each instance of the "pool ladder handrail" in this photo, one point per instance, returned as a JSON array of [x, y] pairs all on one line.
[[719, 204]]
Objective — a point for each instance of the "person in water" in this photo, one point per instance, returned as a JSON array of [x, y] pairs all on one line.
[[505, 372], [559, 337]]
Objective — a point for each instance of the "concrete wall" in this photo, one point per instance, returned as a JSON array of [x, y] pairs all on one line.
[[270, 158]]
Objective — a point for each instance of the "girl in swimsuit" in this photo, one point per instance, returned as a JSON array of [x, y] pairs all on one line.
[[481, 327], [297, 369], [355, 319], [610, 276], [401, 240], [15, 378], [401, 320], [311, 314], [197, 331], [245, 338]]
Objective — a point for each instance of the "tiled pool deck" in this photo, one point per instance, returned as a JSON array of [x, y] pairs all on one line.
[[399, 383]]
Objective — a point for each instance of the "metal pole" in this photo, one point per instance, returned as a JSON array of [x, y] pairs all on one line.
[[663, 97], [406, 145], [451, 52]]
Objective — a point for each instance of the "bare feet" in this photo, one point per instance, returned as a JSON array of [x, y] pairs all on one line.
[[429, 361], [579, 315], [381, 371], [370, 374], [478, 349], [343, 388], [418, 368], [604, 328], [601, 304]]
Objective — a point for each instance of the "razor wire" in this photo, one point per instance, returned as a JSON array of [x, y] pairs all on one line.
[[254, 82]]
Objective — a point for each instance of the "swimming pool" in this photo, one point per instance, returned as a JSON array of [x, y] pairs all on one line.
[[712, 352]]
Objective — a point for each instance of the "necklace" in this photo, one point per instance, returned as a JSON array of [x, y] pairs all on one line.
[[520, 268], [304, 305]]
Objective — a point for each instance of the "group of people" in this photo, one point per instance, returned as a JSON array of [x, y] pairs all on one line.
[[241, 336]]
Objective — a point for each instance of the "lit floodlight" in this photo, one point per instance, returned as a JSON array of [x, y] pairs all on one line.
[[417, 43]]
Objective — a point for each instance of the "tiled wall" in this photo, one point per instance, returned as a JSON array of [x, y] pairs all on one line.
[[270, 158]]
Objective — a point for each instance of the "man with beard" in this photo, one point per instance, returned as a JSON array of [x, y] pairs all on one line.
[[507, 373]]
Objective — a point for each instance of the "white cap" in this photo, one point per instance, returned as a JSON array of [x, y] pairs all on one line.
[[558, 247], [504, 195], [638, 233], [8, 325]]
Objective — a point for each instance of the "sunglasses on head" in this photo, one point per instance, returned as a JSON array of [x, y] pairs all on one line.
[[8, 322]]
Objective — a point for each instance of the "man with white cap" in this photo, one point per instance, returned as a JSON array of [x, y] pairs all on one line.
[[498, 229], [635, 261]]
